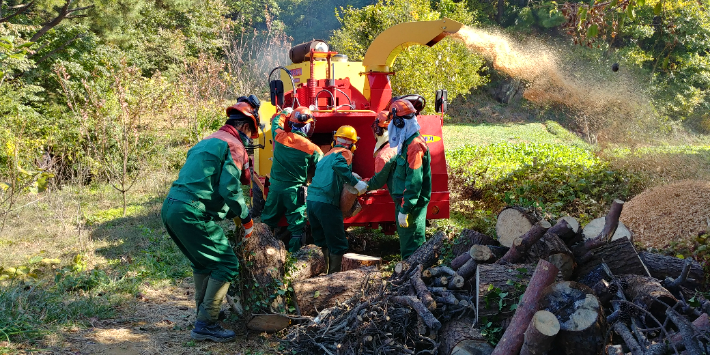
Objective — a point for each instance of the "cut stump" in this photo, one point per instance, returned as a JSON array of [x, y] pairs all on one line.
[[513, 222], [353, 261]]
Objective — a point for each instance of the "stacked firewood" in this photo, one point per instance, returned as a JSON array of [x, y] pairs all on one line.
[[556, 289]]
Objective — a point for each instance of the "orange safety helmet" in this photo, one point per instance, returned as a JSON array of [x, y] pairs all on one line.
[[247, 110], [402, 108], [382, 120], [301, 115]]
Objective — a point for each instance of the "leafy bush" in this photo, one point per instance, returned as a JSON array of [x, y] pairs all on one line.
[[447, 65], [555, 179]]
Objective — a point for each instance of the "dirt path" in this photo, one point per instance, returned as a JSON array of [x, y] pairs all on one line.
[[158, 322]]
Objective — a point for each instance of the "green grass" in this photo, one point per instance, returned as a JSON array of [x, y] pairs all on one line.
[[458, 135]]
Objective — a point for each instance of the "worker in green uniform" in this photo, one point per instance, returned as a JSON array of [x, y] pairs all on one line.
[[209, 189], [323, 201], [409, 175], [294, 156]]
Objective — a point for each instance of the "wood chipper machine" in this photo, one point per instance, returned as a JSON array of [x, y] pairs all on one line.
[[340, 92]]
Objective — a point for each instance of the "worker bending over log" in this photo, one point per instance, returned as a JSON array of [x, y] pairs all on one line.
[[408, 175], [294, 157], [209, 189], [323, 201]]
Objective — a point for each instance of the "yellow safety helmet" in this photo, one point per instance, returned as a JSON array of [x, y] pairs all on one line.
[[347, 132]]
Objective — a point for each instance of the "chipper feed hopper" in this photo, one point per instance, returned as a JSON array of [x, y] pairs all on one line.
[[340, 92]]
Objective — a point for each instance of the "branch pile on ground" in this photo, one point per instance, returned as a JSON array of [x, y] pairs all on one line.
[[551, 290]]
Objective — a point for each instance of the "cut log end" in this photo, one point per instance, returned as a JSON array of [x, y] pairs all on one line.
[[353, 261], [512, 223]]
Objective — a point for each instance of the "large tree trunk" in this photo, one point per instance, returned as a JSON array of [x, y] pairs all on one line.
[[469, 238], [582, 322], [317, 293], [459, 337], [620, 255], [355, 261], [493, 277], [309, 262], [662, 266], [514, 336], [513, 222], [267, 257]]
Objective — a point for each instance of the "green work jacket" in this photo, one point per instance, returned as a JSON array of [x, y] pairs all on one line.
[[409, 175], [294, 155], [334, 170], [212, 177]]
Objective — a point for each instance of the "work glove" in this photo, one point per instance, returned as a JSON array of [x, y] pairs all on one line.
[[402, 219], [357, 176], [287, 111], [248, 225], [361, 187]]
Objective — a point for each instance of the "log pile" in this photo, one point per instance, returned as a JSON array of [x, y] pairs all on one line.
[[548, 290]]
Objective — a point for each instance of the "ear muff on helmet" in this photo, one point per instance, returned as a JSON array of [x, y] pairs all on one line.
[[397, 121], [302, 117]]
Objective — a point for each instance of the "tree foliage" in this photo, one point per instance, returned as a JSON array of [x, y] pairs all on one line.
[[419, 69]]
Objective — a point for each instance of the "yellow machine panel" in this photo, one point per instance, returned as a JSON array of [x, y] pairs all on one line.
[[302, 72], [263, 157]]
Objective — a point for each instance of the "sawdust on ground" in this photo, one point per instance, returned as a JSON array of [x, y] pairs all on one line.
[[158, 322], [671, 213]]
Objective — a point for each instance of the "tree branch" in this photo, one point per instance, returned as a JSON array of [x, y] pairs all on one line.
[[20, 10], [63, 14], [64, 45]]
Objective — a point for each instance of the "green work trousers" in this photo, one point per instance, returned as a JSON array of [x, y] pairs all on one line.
[[327, 227], [283, 200], [200, 239], [412, 237]]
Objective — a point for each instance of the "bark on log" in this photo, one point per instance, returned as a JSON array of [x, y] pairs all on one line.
[[469, 238], [513, 222], [692, 345], [317, 293], [309, 262], [620, 255], [498, 251], [647, 291], [540, 333], [456, 282], [631, 343], [702, 324], [460, 260], [611, 222], [551, 248], [467, 270], [422, 292], [438, 271], [428, 254], [459, 337], [267, 254], [421, 310], [353, 261], [490, 277], [514, 335], [662, 266], [582, 323], [522, 244]]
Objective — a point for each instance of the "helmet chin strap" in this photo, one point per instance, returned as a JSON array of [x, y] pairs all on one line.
[[381, 140]]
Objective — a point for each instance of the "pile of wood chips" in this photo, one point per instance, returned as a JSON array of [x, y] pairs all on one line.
[[550, 289], [670, 213]]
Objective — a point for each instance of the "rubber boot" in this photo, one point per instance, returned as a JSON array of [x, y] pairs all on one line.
[[200, 287], [207, 326], [326, 256], [334, 263], [294, 244]]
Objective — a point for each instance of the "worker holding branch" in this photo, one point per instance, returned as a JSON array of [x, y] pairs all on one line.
[[209, 189], [294, 156], [323, 201], [407, 175]]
